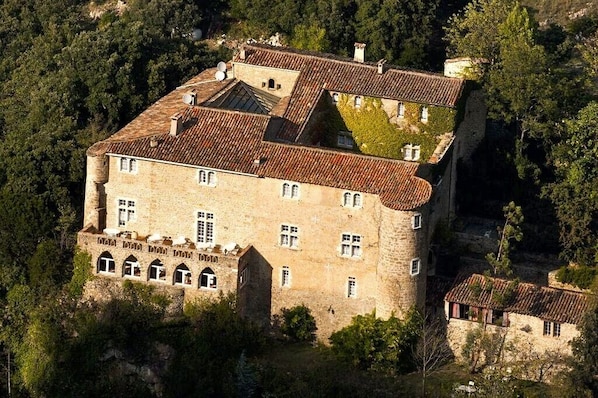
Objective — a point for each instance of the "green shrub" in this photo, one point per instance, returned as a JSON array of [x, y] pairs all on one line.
[[298, 323], [81, 273], [582, 276]]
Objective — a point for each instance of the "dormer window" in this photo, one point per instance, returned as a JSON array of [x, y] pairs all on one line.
[[424, 114], [335, 98], [344, 140], [271, 84], [358, 102], [401, 111], [411, 152]]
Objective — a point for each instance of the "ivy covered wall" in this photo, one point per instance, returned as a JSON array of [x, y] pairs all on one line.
[[375, 133]]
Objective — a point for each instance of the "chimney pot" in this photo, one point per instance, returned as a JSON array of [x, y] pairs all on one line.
[[359, 52], [381, 64]]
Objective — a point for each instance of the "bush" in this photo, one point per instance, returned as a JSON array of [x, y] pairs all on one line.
[[373, 343], [298, 323], [582, 277]]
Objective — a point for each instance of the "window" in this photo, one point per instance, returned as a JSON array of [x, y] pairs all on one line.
[[132, 268], [128, 165], [351, 199], [344, 140], [290, 190], [244, 277], [351, 287], [547, 326], [157, 271], [416, 221], [205, 227], [556, 329], [351, 245], [106, 263], [424, 114], [401, 111], [411, 152], [271, 84], [207, 279], [415, 266], [289, 236], [358, 102], [335, 98], [182, 275], [285, 279], [207, 177], [126, 212]]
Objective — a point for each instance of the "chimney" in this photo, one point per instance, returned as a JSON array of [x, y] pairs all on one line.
[[242, 54], [176, 124], [359, 52], [381, 64]]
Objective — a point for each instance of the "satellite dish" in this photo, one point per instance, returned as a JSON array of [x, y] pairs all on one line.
[[188, 99], [221, 66], [220, 75]]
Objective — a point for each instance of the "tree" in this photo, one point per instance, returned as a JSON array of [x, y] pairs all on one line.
[[501, 262], [310, 37], [584, 372], [298, 323]]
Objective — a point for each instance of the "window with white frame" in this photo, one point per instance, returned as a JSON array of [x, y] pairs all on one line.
[[416, 221], [182, 275], [358, 102], [352, 199], [126, 212], [415, 266], [132, 268], [351, 287], [344, 139], [289, 235], [401, 111], [106, 263], [424, 114], [350, 245], [290, 190], [207, 177], [157, 271], [244, 277], [285, 278], [547, 328], [555, 327], [127, 165], [207, 279], [411, 152], [335, 98], [205, 227]]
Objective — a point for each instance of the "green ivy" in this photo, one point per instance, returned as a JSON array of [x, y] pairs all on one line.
[[374, 134], [581, 276]]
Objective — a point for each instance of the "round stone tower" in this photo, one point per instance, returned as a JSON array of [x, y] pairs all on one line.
[[95, 195], [401, 272]]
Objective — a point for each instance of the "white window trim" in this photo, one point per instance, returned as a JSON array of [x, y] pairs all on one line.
[[352, 202], [289, 234], [358, 101], [184, 273], [351, 244], [133, 265], [401, 110], [210, 179], [416, 221], [415, 261], [424, 114], [205, 219], [285, 282], [127, 208], [351, 293], [335, 98], [411, 152], [294, 190], [131, 165], [210, 277], [158, 268], [106, 261]]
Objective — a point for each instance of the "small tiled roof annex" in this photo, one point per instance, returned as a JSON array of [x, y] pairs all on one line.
[[547, 303], [332, 73], [232, 141]]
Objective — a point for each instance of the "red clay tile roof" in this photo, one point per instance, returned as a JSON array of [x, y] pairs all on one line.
[[543, 302], [232, 140], [327, 72]]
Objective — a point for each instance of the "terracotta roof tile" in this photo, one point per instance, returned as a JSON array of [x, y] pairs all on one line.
[[543, 302]]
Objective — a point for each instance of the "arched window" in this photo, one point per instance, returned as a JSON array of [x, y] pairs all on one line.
[[207, 279], [357, 200], [347, 199], [182, 275], [358, 102], [271, 84], [131, 268], [207, 177], [106, 263], [157, 271]]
